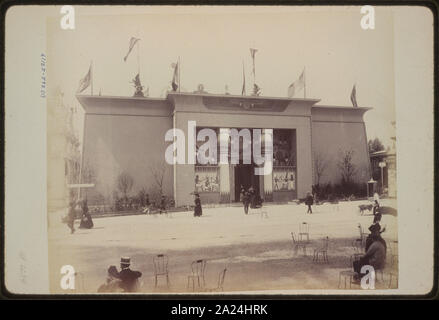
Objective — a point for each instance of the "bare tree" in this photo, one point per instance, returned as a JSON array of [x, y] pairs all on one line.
[[347, 168], [124, 183], [320, 164], [158, 171]]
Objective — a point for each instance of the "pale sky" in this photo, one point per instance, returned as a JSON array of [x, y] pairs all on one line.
[[212, 44]]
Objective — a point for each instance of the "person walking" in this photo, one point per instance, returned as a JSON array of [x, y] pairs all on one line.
[[309, 201], [71, 217], [198, 211], [245, 200]]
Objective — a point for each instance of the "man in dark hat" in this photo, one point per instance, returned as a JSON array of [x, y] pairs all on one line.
[[128, 277], [375, 251]]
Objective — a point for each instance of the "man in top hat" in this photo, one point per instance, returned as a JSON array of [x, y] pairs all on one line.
[[375, 251], [128, 277]]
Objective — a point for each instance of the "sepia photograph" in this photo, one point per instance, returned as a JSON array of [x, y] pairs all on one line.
[[222, 150]]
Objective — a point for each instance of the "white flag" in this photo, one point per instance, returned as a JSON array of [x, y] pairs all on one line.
[[133, 42], [297, 85], [84, 82]]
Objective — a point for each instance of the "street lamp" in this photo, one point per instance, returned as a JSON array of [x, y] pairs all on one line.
[[382, 164]]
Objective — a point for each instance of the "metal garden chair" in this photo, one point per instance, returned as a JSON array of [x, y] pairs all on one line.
[[198, 269], [322, 251], [220, 283], [297, 244], [304, 231], [161, 268]]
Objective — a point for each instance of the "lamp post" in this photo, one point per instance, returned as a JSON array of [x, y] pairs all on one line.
[[382, 164], [372, 183]]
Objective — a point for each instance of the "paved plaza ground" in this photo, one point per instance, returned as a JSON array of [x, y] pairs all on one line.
[[256, 250]]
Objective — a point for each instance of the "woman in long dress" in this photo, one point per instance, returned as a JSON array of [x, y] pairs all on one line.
[[198, 210], [86, 220]]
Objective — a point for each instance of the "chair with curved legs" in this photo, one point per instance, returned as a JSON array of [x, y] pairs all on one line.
[[161, 268], [220, 283], [363, 235], [297, 244], [198, 268], [304, 231], [357, 245], [322, 251]]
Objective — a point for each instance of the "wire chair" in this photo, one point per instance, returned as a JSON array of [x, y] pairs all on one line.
[[198, 268], [161, 268]]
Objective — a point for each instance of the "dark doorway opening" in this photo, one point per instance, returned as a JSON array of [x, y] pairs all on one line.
[[245, 177]]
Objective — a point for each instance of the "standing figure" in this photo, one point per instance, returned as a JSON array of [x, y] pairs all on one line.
[[86, 220], [376, 206], [71, 217], [251, 192], [198, 211], [245, 200], [163, 205], [241, 194], [377, 215], [309, 201]]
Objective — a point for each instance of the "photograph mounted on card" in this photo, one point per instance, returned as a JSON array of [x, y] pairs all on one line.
[[241, 150]]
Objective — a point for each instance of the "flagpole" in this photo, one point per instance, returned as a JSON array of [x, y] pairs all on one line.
[[179, 73], [243, 79], [138, 59], [304, 82], [91, 75], [254, 67]]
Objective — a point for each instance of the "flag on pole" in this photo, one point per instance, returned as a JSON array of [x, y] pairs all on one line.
[[256, 90], [243, 80], [84, 83], [354, 97], [133, 42], [175, 77], [297, 85], [253, 54]]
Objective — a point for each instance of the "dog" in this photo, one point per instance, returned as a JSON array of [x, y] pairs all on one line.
[[364, 207]]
